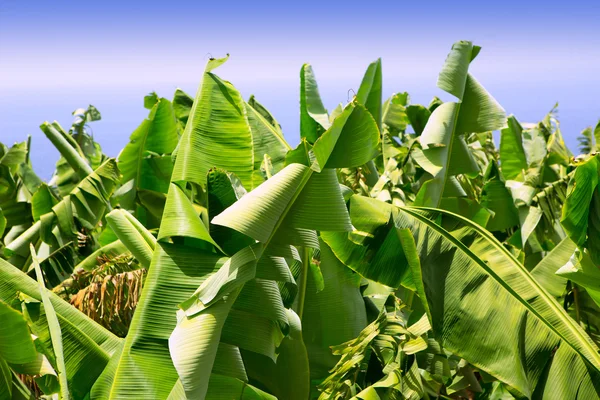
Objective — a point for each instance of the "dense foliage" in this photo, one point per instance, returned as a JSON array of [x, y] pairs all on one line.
[[395, 253]]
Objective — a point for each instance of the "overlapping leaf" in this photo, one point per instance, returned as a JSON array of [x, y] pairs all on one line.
[[445, 152]]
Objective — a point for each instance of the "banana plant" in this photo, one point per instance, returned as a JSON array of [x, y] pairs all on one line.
[[470, 284], [394, 253], [277, 214]]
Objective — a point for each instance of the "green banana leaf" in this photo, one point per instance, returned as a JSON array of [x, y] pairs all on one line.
[[475, 288], [512, 153], [281, 211], [580, 212], [581, 270], [333, 315], [16, 346], [236, 141], [145, 162], [313, 115], [18, 183], [444, 151], [497, 198], [472, 288], [182, 104], [289, 376], [369, 92]]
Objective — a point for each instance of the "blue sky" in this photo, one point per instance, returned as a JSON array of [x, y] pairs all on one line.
[[59, 56]]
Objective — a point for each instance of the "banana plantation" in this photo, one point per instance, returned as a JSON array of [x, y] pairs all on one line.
[[398, 252]]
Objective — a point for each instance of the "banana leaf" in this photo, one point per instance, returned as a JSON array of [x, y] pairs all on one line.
[[444, 151]]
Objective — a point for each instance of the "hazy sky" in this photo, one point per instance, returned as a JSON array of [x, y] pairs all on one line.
[[59, 56]]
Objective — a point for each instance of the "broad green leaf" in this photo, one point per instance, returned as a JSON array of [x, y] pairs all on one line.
[[534, 145], [467, 208], [42, 202], [568, 377], [581, 270], [289, 376], [145, 367], [332, 316], [299, 155], [150, 100], [522, 193], [418, 117], [369, 92], [191, 347], [146, 159], [294, 199], [351, 141], [480, 112], [225, 387], [545, 271], [593, 229], [372, 249], [223, 190], [512, 155], [224, 132], [268, 141], [444, 150], [217, 133], [16, 345], [473, 284], [395, 118], [102, 385], [180, 218], [15, 155], [444, 154], [2, 223], [497, 198], [313, 115], [576, 210], [182, 104], [255, 304], [453, 76], [530, 217], [597, 136], [5, 381], [558, 152]]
